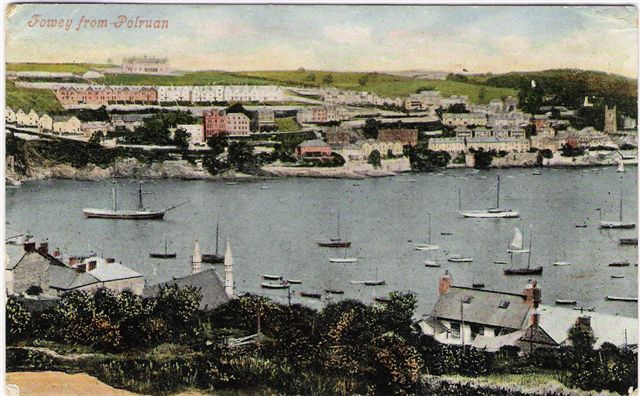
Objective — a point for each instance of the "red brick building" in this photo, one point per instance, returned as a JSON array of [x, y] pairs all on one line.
[[215, 123], [103, 95], [313, 148]]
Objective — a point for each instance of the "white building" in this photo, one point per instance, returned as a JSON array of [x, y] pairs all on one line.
[[464, 119], [238, 124], [145, 65], [196, 134], [45, 123], [9, 116], [457, 144], [29, 119], [67, 125]]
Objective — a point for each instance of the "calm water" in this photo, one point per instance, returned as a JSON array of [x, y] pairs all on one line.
[[274, 230]]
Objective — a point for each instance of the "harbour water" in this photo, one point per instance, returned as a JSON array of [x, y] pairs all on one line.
[[274, 230]]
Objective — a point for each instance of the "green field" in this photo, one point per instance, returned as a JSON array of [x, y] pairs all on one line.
[[55, 67], [26, 99], [288, 124], [382, 84], [193, 78]]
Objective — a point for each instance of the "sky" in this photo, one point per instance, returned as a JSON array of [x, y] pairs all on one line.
[[341, 38]]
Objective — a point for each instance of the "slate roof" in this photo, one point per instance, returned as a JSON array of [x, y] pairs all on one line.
[[62, 277], [106, 272], [483, 308], [208, 281], [557, 321]]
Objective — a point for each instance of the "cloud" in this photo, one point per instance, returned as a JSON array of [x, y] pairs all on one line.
[[347, 33]]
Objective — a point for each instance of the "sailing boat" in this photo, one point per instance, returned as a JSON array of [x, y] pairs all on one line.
[[375, 282], [525, 270], [166, 254], [214, 258], [492, 213], [516, 243], [336, 242], [118, 214], [620, 223], [620, 167], [344, 259], [564, 261], [428, 245]]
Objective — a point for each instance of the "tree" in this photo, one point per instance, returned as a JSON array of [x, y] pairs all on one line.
[[530, 98], [482, 158], [397, 313], [370, 128], [396, 365], [181, 138], [96, 138], [582, 338], [363, 80], [482, 94], [17, 319], [568, 150], [311, 77], [328, 79], [240, 156], [211, 161], [374, 159], [424, 160]]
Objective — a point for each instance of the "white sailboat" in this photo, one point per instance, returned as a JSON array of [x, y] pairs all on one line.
[[620, 223], [428, 245], [564, 261], [495, 213], [344, 259], [620, 167], [516, 243]]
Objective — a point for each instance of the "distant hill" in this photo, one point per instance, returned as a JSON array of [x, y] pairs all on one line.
[[56, 67]]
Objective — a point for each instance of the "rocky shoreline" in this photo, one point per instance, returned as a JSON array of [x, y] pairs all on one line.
[[180, 169]]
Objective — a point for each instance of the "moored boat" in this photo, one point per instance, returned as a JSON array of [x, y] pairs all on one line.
[[561, 263], [382, 299], [516, 243], [334, 291], [561, 301], [431, 263], [214, 258], [524, 271], [617, 276], [271, 277], [165, 255], [310, 294], [282, 285], [294, 281], [378, 282], [496, 213], [427, 246], [336, 242], [628, 241], [619, 223], [343, 259], [588, 309], [459, 259], [624, 263], [478, 285], [617, 298], [502, 262]]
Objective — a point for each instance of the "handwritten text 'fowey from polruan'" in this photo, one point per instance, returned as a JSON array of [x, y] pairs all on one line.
[[121, 22]]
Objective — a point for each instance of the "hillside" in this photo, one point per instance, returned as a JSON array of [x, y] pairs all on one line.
[[55, 67], [380, 83], [26, 99]]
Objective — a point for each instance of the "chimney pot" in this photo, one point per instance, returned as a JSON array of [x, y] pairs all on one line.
[[29, 246], [44, 248], [445, 282]]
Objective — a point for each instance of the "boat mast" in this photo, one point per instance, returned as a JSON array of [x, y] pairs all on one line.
[[217, 229], [429, 242], [459, 200], [529, 256], [498, 193], [165, 245], [113, 197], [338, 223], [620, 199], [140, 206]]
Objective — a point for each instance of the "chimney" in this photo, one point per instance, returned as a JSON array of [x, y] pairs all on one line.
[[110, 260], [44, 248], [535, 318], [583, 321], [228, 271], [91, 265], [532, 294], [196, 264], [444, 284], [57, 253], [29, 246]]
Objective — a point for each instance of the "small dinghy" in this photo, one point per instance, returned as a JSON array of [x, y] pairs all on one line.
[[617, 298], [282, 285], [477, 285], [587, 309], [334, 291], [459, 259], [582, 225], [561, 301], [378, 282], [343, 259], [271, 277], [628, 241], [310, 295], [446, 233], [561, 263], [294, 281], [502, 262], [382, 299], [624, 263], [617, 276], [357, 282], [431, 263]]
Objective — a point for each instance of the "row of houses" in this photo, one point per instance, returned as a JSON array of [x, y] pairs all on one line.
[[68, 125], [358, 98], [323, 114], [70, 95], [481, 132], [489, 320]]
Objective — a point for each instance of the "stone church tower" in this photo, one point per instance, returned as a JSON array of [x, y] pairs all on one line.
[[610, 120]]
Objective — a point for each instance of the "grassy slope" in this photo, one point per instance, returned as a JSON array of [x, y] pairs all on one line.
[[288, 124], [55, 67], [382, 84], [26, 99], [194, 78]]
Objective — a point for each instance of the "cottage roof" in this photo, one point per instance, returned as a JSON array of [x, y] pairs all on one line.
[[557, 321], [63, 277], [483, 307], [208, 281], [107, 272], [314, 143]]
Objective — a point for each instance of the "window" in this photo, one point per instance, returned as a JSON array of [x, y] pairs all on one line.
[[455, 330], [504, 304]]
